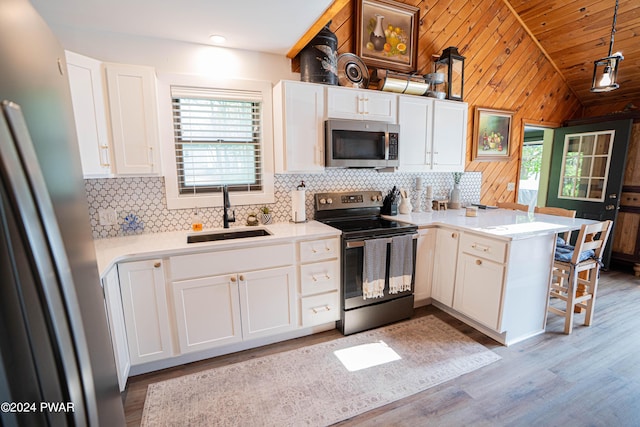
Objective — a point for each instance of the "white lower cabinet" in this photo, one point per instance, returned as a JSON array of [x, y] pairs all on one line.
[[220, 310], [146, 315], [268, 302], [218, 301], [478, 289], [480, 280], [207, 312], [498, 286], [425, 254], [444, 266], [117, 328], [192, 306]]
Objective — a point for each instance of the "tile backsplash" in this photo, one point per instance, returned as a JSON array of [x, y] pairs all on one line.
[[144, 197]]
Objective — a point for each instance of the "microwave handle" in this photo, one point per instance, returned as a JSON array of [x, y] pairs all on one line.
[[386, 145]]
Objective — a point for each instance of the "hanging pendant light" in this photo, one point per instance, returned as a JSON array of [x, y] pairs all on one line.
[[605, 70]]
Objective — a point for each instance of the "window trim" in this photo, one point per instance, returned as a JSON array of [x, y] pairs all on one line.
[[175, 200]]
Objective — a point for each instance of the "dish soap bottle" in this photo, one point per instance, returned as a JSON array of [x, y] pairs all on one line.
[[196, 222]]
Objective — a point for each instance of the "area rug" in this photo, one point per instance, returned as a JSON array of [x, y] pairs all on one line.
[[311, 386]]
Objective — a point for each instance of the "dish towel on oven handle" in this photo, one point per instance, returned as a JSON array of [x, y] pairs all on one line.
[[401, 264], [374, 266]]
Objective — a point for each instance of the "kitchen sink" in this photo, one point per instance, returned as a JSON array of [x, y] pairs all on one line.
[[227, 235]]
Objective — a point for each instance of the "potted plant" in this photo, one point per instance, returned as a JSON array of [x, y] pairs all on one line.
[[265, 215]]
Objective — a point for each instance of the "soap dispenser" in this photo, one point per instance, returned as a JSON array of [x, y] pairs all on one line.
[[196, 222]]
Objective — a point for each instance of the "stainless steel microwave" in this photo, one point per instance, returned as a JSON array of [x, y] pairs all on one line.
[[361, 144]]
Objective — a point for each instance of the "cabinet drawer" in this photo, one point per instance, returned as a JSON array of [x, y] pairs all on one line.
[[482, 247], [317, 250], [319, 277], [230, 261], [320, 309], [630, 199]]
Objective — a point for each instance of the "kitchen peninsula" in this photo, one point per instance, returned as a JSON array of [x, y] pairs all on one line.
[[492, 270]]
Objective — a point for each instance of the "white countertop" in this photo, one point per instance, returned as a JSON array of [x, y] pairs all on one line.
[[498, 223], [154, 245], [501, 223]]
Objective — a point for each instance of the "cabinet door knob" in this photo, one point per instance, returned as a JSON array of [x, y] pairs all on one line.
[[241, 278], [233, 279], [454, 235], [478, 262], [157, 264]]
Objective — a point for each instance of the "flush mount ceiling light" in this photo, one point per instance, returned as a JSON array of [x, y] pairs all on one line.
[[605, 70], [217, 39]]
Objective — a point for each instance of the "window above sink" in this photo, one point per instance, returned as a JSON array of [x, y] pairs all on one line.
[[215, 132]]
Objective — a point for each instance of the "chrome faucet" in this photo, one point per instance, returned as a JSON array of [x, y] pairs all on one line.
[[226, 203]]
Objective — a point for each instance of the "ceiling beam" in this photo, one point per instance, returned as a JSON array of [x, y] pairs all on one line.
[[327, 16]]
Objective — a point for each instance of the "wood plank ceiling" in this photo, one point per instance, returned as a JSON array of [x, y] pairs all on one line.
[[574, 33]]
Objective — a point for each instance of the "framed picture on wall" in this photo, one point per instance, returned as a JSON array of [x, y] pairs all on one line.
[[491, 134], [387, 34]]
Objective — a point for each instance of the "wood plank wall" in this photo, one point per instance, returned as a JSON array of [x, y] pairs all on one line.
[[504, 69]]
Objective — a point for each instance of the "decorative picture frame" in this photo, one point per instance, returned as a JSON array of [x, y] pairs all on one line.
[[387, 34], [491, 134]]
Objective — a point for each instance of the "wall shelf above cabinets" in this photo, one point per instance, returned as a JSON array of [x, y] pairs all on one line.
[[433, 134]]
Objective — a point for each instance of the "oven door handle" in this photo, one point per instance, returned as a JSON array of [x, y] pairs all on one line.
[[360, 243]]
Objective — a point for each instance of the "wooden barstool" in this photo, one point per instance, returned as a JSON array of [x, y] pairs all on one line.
[[585, 257], [513, 206]]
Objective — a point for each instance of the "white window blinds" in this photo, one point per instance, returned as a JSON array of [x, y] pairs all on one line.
[[218, 139]]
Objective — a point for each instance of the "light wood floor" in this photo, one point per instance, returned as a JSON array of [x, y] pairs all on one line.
[[588, 378]]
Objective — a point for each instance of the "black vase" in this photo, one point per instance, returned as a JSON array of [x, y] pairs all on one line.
[[319, 59]]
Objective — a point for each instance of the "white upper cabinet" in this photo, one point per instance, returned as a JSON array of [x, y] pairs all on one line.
[[298, 117], [433, 134], [349, 103], [87, 97], [449, 135], [134, 129], [415, 117]]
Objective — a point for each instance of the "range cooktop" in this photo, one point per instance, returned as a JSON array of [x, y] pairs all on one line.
[[357, 214]]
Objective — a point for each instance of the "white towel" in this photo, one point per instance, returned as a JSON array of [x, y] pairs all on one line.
[[401, 264], [373, 268]]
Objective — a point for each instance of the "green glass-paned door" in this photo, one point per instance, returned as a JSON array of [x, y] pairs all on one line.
[[587, 167]]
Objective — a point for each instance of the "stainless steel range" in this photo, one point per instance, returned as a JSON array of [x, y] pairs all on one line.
[[357, 215]]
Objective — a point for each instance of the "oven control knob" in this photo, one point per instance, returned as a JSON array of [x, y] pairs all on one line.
[[373, 198], [378, 197], [329, 200], [323, 201]]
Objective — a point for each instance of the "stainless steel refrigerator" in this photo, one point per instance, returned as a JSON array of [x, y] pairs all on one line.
[[56, 360]]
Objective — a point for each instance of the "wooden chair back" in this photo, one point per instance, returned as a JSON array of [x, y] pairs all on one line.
[[550, 210], [592, 236], [513, 206]]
